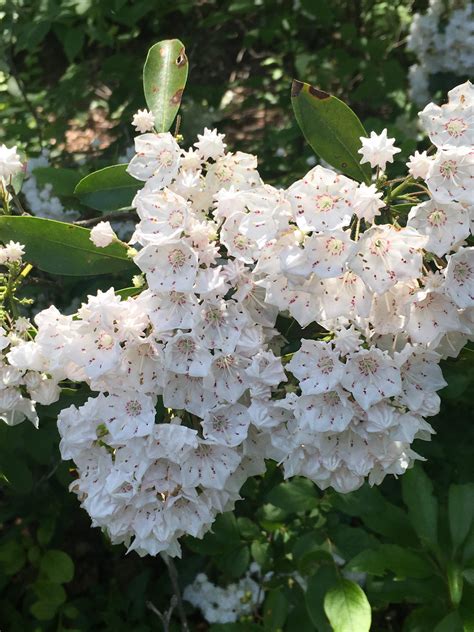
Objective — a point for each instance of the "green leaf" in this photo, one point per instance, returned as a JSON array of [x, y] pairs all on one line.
[[468, 575], [331, 128], [43, 610], [57, 566], [460, 512], [451, 623], [275, 610], [248, 529], [49, 592], [262, 553], [318, 585], [235, 562], [109, 189], [64, 249], [299, 494], [417, 492], [347, 607], [16, 472], [377, 513], [126, 292], [12, 557], [400, 560], [62, 180], [164, 78]]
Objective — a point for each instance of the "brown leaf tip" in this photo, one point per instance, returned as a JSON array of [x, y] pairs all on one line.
[[319, 94], [296, 87], [181, 59]]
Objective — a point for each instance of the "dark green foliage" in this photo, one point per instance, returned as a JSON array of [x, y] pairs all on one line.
[[411, 542]]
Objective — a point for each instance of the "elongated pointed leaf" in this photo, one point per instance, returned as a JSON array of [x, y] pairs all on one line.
[[347, 607], [63, 249], [108, 189], [461, 512], [331, 128], [417, 492], [164, 78]]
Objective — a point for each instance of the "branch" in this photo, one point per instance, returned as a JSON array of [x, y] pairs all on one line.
[[173, 573], [124, 215], [166, 617]]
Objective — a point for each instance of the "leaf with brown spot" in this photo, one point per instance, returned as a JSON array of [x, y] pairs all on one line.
[[331, 128], [164, 78]]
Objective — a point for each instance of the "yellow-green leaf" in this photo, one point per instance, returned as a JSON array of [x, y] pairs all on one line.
[[164, 78], [331, 128]]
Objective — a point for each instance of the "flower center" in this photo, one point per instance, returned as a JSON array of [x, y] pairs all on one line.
[[165, 158], [105, 341], [448, 169], [368, 366], [241, 242], [214, 315], [224, 173], [455, 127], [175, 219], [224, 362], [219, 423], [331, 398], [437, 218], [133, 408], [177, 258], [379, 246], [186, 346], [325, 365], [325, 202], [178, 298], [335, 246], [462, 271]]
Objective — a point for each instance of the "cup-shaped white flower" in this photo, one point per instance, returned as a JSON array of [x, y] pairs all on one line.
[[371, 375], [317, 367]]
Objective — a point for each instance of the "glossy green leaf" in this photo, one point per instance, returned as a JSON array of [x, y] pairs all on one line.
[[109, 189], [63, 249], [275, 610], [331, 128], [417, 492], [57, 566], [461, 512], [234, 562], [62, 180], [164, 78], [390, 557], [318, 585], [347, 607], [299, 494]]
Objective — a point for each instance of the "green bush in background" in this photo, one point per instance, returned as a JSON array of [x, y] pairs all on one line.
[[74, 66]]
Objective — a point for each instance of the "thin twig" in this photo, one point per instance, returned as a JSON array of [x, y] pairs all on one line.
[[166, 617], [173, 573], [124, 215]]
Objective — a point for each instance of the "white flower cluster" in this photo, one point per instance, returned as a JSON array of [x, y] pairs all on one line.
[[20, 389], [443, 41], [223, 255], [229, 604], [10, 163]]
